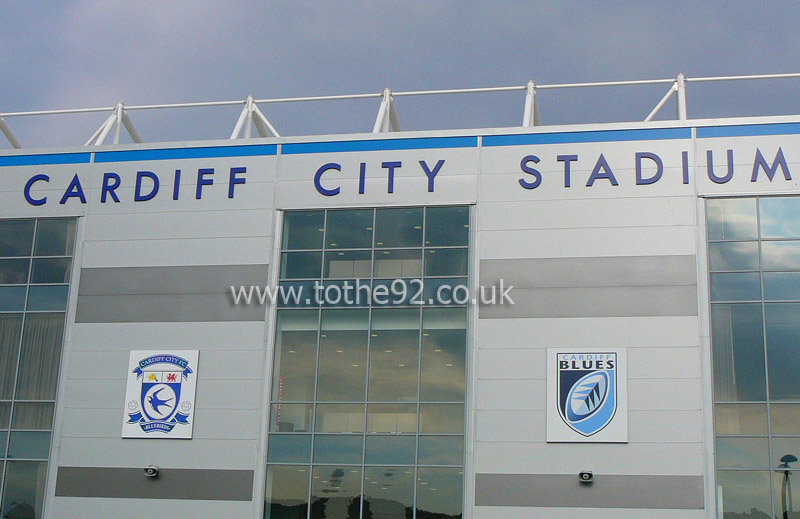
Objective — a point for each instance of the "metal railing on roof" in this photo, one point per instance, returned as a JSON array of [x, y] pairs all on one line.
[[387, 119]]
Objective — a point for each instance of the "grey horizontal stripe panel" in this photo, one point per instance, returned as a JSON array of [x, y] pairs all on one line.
[[596, 302], [199, 484], [607, 491], [591, 272]]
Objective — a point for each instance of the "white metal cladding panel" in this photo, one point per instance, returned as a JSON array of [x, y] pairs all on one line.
[[138, 508], [222, 336], [518, 512]]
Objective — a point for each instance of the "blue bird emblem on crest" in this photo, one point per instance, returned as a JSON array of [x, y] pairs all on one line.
[[587, 390]]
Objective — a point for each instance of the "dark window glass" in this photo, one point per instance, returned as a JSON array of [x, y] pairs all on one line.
[[3, 443], [340, 418], [54, 238], [346, 293], [401, 263], [51, 298], [299, 265], [348, 264], [394, 355], [780, 217], [16, 238], [343, 355], [390, 450], [338, 448], [303, 230], [5, 417], [398, 227], [785, 418], [388, 492], [744, 493], [392, 418], [289, 448], [738, 351], [439, 493], [444, 339], [51, 270], [295, 355], [336, 492], [12, 299], [736, 287], [24, 489], [297, 294], [287, 492], [733, 255], [29, 445], [29, 415], [783, 450], [742, 452], [441, 450], [350, 229], [446, 262], [441, 418], [741, 418], [786, 493], [781, 286], [290, 417], [397, 292], [783, 354], [731, 219], [446, 291], [14, 271], [10, 334], [780, 255], [446, 226]]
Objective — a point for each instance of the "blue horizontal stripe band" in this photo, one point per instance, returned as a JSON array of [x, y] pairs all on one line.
[[707, 132], [654, 134], [380, 145], [186, 153], [42, 160]]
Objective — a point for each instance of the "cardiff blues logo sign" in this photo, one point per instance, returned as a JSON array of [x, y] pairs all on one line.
[[160, 395], [586, 394]]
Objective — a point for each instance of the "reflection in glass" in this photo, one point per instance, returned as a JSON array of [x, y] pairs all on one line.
[[300, 265], [336, 492], [392, 418], [14, 271], [741, 418], [785, 448], [32, 415], [290, 417], [398, 227], [785, 418], [40, 356], [16, 238], [441, 450], [348, 264], [735, 287], [287, 492], [295, 355], [339, 418], [349, 229], [742, 491], [447, 226], [742, 452], [446, 262], [12, 299], [5, 417], [738, 352], [783, 355], [731, 218], [10, 333], [781, 286], [29, 445], [439, 493], [388, 492], [50, 298], [51, 270], [733, 255], [343, 355], [54, 238], [780, 217], [289, 448], [393, 355], [441, 418], [398, 263], [338, 448], [24, 489], [303, 230], [780, 255], [390, 450], [444, 339]]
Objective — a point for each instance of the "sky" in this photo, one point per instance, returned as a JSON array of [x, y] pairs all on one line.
[[95, 53]]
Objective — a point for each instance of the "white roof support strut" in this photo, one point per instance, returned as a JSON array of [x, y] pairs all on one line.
[[530, 116], [9, 134], [387, 120], [252, 116], [115, 121], [678, 86]]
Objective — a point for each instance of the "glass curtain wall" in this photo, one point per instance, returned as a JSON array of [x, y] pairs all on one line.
[[754, 263], [367, 413], [35, 267]]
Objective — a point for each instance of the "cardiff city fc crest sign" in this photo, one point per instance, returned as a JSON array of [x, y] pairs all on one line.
[[159, 402], [587, 395]]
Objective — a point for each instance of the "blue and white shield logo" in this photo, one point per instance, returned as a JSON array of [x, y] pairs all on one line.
[[587, 390], [159, 406]]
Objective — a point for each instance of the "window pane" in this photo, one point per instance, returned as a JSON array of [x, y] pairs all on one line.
[[3, 444], [398, 227], [441, 418], [351, 229], [345, 293], [295, 355], [446, 291], [441, 450], [439, 493], [12, 299], [783, 355], [55, 238], [340, 418], [735, 287], [303, 229], [29, 445], [14, 271], [785, 418], [444, 340], [446, 262], [780, 255], [738, 351], [389, 492], [51, 270], [731, 219], [297, 294], [338, 448], [397, 292], [740, 418], [287, 492], [24, 489], [290, 417], [300, 265], [398, 263], [5, 417], [336, 492], [16, 237], [390, 450], [446, 226], [394, 355], [780, 217], [40, 357], [289, 448], [785, 452], [392, 418], [742, 452], [744, 493], [10, 331], [28, 415], [733, 255], [781, 286], [48, 298], [786, 494], [348, 264], [343, 355]]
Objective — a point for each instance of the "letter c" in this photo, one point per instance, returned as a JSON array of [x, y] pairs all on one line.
[[29, 184], [318, 176]]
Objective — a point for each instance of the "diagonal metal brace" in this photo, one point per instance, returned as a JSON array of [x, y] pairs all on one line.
[[117, 119], [252, 116], [9, 134]]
